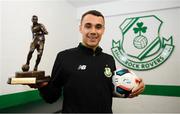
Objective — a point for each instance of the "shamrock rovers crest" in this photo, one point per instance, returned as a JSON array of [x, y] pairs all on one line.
[[141, 46]]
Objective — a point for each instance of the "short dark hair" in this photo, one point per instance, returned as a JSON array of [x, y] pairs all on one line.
[[92, 12]]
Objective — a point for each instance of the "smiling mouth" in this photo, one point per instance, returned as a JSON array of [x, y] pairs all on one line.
[[93, 37]]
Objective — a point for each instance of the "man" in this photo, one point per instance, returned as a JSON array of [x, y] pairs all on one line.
[[38, 31], [84, 73]]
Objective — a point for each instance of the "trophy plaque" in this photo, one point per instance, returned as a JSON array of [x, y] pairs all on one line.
[[31, 77], [36, 76]]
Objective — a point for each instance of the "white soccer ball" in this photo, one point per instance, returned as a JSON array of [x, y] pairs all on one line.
[[124, 81]]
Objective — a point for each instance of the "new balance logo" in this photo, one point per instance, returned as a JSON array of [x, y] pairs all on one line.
[[81, 67]]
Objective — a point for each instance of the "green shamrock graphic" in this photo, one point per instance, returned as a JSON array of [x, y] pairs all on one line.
[[140, 28]]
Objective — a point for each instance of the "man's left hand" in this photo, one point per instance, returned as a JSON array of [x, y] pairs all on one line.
[[138, 90]]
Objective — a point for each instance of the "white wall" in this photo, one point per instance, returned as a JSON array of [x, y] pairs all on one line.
[[59, 18], [0, 42], [166, 74], [161, 75], [124, 7]]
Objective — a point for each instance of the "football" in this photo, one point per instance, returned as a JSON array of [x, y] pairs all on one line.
[[124, 81]]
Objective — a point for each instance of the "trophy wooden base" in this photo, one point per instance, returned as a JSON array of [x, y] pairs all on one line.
[[30, 77]]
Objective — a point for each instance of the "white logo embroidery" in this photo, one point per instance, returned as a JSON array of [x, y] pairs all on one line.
[[82, 67]]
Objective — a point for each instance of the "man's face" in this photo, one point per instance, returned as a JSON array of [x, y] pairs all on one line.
[[92, 29]]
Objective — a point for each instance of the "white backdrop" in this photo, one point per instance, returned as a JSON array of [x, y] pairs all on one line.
[[165, 74], [161, 75], [59, 19]]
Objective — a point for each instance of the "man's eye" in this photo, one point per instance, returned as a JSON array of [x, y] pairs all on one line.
[[99, 26], [88, 26]]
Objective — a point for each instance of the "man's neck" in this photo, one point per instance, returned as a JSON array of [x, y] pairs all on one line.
[[93, 48]]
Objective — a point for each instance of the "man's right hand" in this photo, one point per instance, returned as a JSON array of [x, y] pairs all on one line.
[[38, 85]]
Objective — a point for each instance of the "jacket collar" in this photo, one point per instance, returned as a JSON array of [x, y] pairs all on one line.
[[89, 51]]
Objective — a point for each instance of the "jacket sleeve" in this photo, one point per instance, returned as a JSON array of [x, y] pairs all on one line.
[[114, 69], [53, 90]]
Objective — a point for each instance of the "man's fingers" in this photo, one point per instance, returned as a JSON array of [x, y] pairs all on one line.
[[38, 85], [138, 90]]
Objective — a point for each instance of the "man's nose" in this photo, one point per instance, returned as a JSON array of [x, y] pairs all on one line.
[[93, 30]]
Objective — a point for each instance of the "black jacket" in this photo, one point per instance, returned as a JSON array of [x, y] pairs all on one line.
[[85, 78]]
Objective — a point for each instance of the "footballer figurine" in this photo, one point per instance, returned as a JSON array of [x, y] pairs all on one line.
[[38, 32]]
